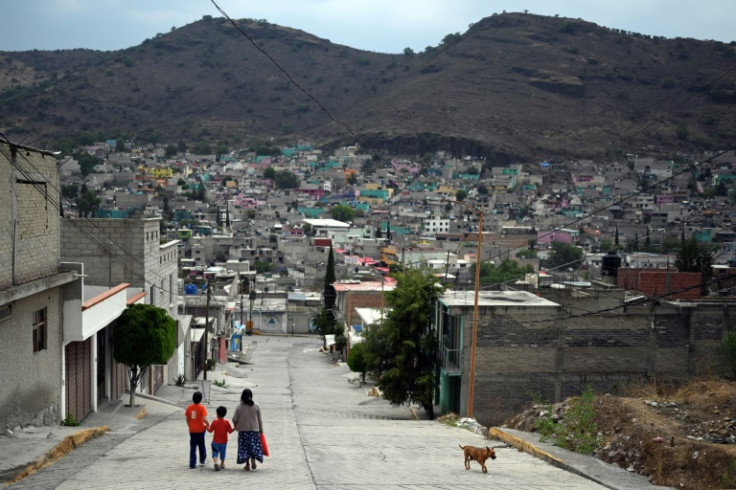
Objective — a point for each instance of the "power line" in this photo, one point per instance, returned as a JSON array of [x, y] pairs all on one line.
[[57, 205], [283, 70]]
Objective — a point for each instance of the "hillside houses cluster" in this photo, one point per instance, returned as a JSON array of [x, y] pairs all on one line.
[[402, 211], [239, 246]]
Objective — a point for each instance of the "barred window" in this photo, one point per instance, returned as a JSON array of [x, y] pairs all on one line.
[[39, 330]]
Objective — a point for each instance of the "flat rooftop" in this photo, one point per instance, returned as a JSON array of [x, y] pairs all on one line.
[[495, 298]]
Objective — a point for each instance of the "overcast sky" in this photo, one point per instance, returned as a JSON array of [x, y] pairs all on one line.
[[375, 25]]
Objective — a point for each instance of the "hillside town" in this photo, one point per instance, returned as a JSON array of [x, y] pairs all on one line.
[[240, 242]]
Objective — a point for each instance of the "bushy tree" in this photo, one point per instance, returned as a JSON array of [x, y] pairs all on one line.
[[87, 163], [402, 351], [324, 323], [144, 335], [693, 257], [358, 361], [507, 270], [87, 203], [564, 255], [286, 180], [342, 212]]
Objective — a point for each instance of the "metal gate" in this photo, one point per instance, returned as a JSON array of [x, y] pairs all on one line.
[[79, 378]]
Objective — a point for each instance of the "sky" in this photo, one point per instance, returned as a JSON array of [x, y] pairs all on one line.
[[386, 26]]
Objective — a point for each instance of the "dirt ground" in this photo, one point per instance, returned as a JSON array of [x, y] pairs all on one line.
[[683, 438]]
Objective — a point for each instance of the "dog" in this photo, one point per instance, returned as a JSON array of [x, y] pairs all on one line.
[[480, 454]]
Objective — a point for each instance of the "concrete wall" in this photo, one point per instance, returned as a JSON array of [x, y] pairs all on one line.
[[30, 383], [30, 388], [526, 352]]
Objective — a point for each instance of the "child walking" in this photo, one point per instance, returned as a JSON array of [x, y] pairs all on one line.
[[221, 428], [196, 415]]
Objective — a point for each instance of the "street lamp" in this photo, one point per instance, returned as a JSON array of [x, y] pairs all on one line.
[[471, 381]]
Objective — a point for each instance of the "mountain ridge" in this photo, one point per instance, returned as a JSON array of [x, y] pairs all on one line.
[[514, 86]]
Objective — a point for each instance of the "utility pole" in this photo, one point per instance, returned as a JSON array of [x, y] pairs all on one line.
[[206, 328]]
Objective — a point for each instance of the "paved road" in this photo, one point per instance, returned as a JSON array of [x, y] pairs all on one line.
[[324, 433]]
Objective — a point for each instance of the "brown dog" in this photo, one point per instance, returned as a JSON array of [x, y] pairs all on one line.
[[480, 454]]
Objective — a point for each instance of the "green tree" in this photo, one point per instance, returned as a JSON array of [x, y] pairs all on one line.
[[606, 245], [324, 323], [358, 361], [408, 52], [70, 191], [694, 257], [262, 266], [403, 349], [461, 195], [564, 255], [286, 180], [506, 271], [342, 212], [170, 151], [526, 254], [269, 173], [87, 163], [341, 341], [87, 203], [144, 335]]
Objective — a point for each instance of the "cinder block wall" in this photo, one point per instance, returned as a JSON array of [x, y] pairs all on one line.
[[29, 246], [542, 353]]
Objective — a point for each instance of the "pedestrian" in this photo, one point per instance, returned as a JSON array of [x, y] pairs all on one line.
[[248, 423], [221, 428], [196, 415]]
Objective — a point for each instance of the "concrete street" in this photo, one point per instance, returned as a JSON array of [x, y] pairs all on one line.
[[323, 432]]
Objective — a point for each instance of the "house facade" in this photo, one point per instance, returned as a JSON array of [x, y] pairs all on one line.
[[31, 285]]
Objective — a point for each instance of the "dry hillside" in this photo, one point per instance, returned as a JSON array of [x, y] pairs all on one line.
[[513, 86]]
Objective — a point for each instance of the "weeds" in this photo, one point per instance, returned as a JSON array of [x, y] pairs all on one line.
[[576, 430], [70, 421], [180, 380], [220, 383], [728, 478]]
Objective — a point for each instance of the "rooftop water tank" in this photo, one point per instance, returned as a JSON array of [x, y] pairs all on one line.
[[190, 289], [610, 264]]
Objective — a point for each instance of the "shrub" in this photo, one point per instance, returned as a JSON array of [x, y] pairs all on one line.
[[577, 430], [70, 421]]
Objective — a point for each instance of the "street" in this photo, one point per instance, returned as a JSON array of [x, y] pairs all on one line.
[[323, 433]]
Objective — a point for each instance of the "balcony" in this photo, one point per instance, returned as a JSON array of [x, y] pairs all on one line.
[[451, 362]]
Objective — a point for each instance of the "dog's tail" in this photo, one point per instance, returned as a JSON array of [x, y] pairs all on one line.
[[461, 447]]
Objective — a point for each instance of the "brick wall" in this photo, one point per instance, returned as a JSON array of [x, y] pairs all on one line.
[[347, 301], [654, 282]]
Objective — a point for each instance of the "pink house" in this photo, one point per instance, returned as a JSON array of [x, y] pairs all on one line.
[[547, 237]]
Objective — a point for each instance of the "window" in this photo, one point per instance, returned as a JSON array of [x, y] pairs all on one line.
[[39, 330]]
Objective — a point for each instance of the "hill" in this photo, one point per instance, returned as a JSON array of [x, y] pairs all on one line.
[[513, 86]]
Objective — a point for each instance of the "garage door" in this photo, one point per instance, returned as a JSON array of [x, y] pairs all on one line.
[[78, 379]]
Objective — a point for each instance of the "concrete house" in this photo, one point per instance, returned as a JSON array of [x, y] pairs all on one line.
[[31, 286], [130, 251]]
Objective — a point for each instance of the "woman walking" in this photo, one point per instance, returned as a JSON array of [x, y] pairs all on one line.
[[247, 421]]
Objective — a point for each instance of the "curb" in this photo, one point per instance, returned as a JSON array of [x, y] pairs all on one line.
[[59, 451], [521, 445], [533, 450]]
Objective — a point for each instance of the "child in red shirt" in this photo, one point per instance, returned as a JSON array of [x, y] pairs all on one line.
[[221, 428], [196, 415]]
